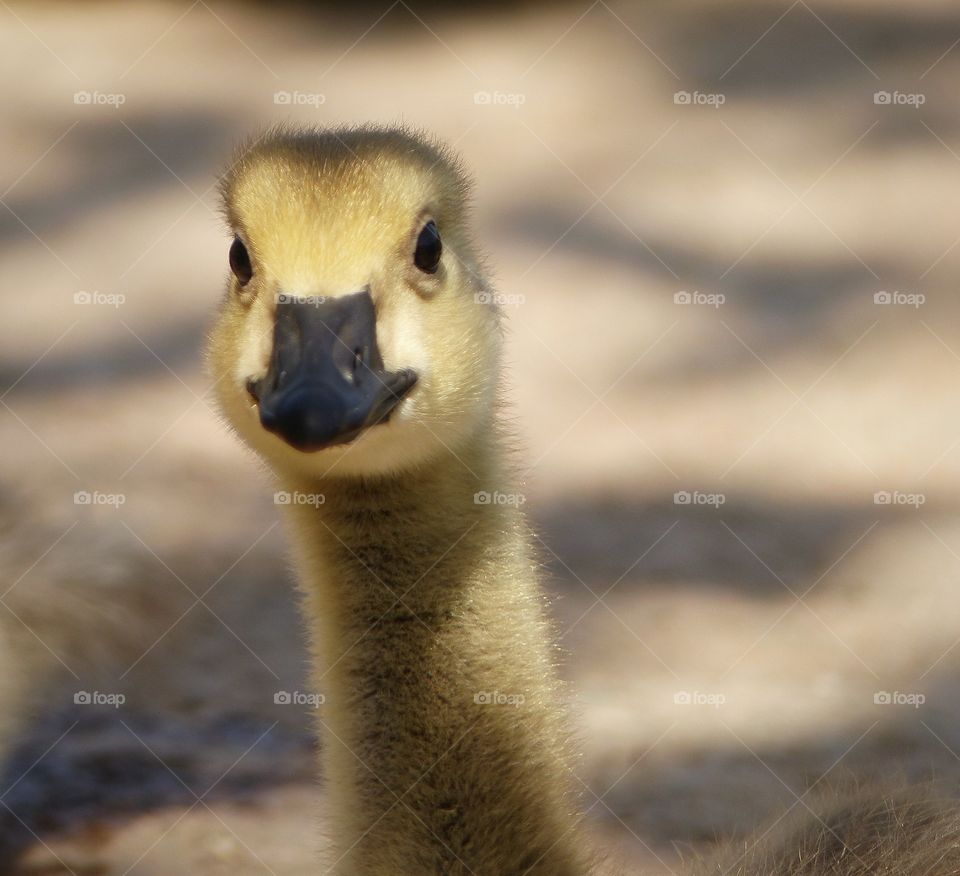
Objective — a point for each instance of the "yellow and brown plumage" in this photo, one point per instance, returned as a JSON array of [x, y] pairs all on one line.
[[359, 357]]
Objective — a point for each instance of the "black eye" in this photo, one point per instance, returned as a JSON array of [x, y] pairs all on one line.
[[427, 254], [240, 262]]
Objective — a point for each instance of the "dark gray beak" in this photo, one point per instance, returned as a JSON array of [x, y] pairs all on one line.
[[326, 382]]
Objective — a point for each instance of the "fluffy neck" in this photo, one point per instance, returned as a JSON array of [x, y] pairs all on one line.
[[443, 749]]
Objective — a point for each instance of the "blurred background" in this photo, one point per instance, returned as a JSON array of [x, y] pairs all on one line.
[[726, 236]]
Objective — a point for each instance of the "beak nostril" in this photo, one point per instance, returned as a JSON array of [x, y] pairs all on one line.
[[360, 357]]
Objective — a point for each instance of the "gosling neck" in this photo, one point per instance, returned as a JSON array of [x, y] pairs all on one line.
[[444, 747]]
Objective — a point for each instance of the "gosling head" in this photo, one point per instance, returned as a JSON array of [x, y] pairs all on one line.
[[356, 335]]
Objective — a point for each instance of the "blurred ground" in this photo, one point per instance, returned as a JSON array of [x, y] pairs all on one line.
[[724, 658]]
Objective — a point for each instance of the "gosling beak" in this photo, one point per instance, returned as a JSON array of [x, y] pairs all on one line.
[[326, 382]]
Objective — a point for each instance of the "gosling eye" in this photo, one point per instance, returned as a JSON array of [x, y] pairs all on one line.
[[240, 262], [426, 256]]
